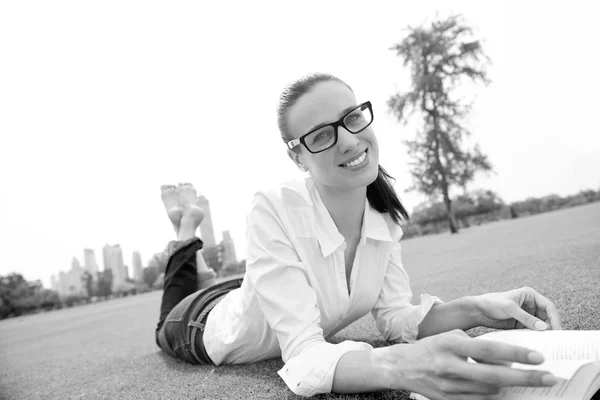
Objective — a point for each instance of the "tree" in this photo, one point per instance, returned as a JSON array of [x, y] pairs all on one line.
[[159, 260], [88, 282], [440, 57], [150, 274], [103, 286]]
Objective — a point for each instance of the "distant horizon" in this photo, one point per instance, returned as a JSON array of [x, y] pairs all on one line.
[[144, 265]]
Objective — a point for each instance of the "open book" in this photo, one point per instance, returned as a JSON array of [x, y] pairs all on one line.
[[572, 356]]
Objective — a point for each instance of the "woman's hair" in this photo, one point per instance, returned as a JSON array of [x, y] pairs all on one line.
[[381, 194]]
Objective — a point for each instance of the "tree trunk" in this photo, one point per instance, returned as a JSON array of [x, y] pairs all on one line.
[[444, 181], [449, 212]]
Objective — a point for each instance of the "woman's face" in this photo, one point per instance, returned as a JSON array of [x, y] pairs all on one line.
[[325, 103]]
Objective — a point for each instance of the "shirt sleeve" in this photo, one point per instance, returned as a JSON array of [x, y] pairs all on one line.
[[395, 317], [289, 304]]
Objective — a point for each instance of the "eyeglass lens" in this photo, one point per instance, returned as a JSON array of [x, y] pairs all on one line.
[[354, 122]]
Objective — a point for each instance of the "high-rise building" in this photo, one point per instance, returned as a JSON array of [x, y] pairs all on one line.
[[113, 260], [207, 231], [54, 283], [63, 284], [138, 270], [75, 284], [228, 249], [89, 262]]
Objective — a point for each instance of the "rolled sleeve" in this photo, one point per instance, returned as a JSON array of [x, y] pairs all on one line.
[[289, 304], [395, 317], [311, 372]]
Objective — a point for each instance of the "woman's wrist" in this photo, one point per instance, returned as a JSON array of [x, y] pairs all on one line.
[[383, 365], [462, 313], [472, 312]]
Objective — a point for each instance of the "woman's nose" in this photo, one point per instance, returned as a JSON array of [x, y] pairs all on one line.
[[346, 140]]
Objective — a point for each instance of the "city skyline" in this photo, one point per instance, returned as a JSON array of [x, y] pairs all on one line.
[[113, 259]]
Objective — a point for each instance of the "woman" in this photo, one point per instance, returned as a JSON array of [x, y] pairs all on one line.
[[322, 253]]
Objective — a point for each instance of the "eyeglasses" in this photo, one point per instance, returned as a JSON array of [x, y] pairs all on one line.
[[326, 136]]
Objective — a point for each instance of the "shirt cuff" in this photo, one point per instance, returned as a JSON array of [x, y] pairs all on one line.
[[410, 330], [312, 371]]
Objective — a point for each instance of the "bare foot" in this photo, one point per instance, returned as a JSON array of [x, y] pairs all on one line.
[[192, 216], [187, 193], [170, 198]]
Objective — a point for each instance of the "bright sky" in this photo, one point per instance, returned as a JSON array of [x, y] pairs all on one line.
[[102, 102]]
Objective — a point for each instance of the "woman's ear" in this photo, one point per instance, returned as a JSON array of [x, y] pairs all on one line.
[[296, 159]]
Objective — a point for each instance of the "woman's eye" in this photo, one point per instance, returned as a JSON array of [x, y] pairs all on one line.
[[355, 116], [321, 136]]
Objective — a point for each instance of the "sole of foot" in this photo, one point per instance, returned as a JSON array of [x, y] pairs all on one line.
[[187, 194], [170, 199]]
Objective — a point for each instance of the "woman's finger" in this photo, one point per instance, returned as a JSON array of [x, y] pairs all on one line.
[[501, 376], [491, 352], [455, 386], [549, 308], [522, 316]]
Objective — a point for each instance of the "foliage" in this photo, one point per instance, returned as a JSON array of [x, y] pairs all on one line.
[[482, 206], [103, 284], [19, 296], [440, 57], [553, 202], [88, 283], [150, 274], [159, 261], [233, 269]]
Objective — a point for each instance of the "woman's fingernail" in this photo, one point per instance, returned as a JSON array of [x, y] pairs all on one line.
[[540, 325], [535, 357], [549, 380]]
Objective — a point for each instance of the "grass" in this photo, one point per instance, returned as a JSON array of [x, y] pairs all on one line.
[[107, 351]]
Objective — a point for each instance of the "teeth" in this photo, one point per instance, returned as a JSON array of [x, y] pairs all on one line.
[[358, 161]]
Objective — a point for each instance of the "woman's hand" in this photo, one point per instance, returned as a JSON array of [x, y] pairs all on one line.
[[437, 367], [516, 309]]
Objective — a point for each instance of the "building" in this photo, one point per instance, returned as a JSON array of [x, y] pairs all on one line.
[[89, 262], [227, 249], [63, 284], [138, 270], [113, 260], [74, 278], [207, 232]]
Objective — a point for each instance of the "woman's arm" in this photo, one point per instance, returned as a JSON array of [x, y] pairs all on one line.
[[437, 367], [280, 284], [460, 314]]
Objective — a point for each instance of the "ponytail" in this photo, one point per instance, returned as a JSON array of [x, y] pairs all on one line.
[[383, 198]]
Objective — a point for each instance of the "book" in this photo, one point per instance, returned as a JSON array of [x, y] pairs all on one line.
[[572, 356]]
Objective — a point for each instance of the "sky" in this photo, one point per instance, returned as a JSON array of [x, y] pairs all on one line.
[[102, 102]]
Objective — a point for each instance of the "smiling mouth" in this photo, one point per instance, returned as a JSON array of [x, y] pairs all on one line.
[[357, 161]]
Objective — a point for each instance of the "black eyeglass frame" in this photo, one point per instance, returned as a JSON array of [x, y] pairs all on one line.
[[340, 122]]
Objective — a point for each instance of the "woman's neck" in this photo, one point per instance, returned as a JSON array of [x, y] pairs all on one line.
[[346, 207]]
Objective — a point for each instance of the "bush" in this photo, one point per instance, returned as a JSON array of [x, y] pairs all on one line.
[[236, 268]]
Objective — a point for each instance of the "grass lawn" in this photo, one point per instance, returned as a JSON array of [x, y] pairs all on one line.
[[107, 351]]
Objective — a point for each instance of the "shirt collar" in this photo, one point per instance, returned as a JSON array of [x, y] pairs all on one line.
[[310, 218]]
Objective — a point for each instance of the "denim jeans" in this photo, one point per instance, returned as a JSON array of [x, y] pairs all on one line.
[[184, 309]]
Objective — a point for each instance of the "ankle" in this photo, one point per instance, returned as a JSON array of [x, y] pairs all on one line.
[[186, 232], [206, 278]]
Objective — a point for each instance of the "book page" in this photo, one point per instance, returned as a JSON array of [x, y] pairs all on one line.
[[573, 389], [564, 351], [558, 391]]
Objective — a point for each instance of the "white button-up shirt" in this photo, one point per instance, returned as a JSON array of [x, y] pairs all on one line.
[[295, 295]]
